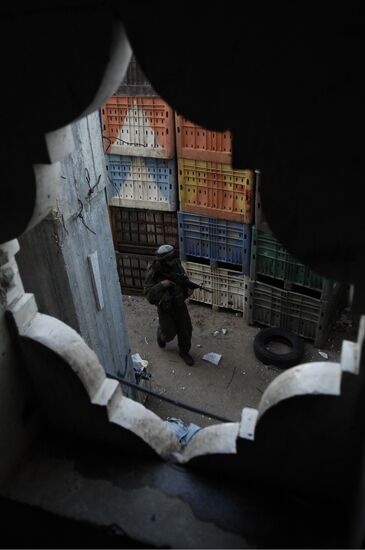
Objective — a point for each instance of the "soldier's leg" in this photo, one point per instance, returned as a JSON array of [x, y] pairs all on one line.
[[184, 328], [167, 329]]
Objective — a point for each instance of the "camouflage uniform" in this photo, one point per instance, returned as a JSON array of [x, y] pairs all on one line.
[[173, 314]]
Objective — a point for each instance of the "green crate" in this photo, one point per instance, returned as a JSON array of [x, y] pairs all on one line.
[[304, 315], [270, 259]]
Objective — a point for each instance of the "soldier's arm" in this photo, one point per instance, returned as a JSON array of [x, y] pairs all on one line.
[[184, 279], [181, 271], [154, 290]]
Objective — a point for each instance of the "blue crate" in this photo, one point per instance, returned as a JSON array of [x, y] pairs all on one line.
[[139, 182], [215, 239]]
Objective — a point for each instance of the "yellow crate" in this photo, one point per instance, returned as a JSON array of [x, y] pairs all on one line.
[[215, 189]]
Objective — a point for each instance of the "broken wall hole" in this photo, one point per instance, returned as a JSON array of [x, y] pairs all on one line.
[[22, 304]]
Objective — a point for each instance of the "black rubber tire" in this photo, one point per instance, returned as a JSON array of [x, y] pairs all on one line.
[[276, 334]]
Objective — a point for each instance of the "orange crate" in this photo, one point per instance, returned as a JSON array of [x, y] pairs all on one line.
[[138, 126], [194, 142], [215, 189]]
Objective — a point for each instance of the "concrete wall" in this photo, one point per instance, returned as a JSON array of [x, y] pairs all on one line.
[[53, 259], [17, 419], [43, 269]]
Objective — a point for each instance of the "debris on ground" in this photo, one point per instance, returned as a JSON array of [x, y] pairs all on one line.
[[145, 339], [199, 322], [323, 354], [204, 384], [138, 361], [184, 432], [222, 330], [212, 357], [139, 367], [140, 372]]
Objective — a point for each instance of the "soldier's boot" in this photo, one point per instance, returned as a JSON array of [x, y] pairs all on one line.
[[187, 358], [161, 342]]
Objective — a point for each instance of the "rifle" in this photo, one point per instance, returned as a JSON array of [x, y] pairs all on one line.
[[182, 280]]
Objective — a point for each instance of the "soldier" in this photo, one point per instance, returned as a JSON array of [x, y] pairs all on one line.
[[166, 287]]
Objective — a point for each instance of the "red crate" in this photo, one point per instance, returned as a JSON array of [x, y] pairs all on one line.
[[196, 143], [138, 126]]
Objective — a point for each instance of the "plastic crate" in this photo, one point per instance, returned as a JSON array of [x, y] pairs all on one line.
[[229, 287], [142, 231], [197, 143], [138, 182], [135, 83], [215, 239], [271, 259], [138, 126], [305, 316], [260, 219], [216, 189], [132, 269]]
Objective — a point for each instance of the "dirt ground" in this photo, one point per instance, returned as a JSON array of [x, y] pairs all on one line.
[[238, 381]]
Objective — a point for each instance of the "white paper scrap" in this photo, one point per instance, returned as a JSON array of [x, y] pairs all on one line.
[[212, 357]]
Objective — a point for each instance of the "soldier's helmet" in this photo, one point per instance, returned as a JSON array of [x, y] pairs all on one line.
[[165, 252]]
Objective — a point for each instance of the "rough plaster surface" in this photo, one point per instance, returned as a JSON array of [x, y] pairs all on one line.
[[219, 439], [299, 393], [8, 251], [67, 343], [310, 378], [17, 420], [145, 513], [104, 330], [57, 376], [40, 254], [53, 257], [46, 190]]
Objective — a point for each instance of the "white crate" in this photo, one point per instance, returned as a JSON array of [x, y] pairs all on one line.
[[229, 287]]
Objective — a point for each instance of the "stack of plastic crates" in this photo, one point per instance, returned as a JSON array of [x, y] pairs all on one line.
[[285, 293], [138, 130], [215, 217]]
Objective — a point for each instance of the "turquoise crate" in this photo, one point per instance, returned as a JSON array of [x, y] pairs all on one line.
[[270, 259]]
